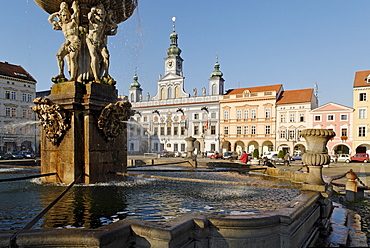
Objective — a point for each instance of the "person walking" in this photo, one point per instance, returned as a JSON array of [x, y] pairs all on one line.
[[244, 158], [287, 159]]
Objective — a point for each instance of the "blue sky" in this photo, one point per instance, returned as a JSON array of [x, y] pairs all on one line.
[[296, 43]]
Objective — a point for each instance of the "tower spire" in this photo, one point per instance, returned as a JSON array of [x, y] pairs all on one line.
[[174, 50]]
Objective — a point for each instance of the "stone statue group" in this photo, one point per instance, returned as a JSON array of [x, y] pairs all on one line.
[[85, 48]]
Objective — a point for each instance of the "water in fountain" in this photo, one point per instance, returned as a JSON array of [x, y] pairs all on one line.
[[91, 206]]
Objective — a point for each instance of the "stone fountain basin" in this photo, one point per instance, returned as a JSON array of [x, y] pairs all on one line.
[[295, 225], [123, 8]]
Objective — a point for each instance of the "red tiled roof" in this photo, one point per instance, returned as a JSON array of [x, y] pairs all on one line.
[[15, 71], [295, 96], [360, 79], [276, 88]]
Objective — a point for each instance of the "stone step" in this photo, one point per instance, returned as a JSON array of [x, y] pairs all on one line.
[[346, 228]]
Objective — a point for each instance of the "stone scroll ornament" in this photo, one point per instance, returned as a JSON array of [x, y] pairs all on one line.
[[113, 117], [54, 119]]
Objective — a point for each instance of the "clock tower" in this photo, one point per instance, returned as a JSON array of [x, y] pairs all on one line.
[[173, 62]]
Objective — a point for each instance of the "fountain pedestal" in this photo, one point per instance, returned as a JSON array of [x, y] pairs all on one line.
[[83, 149], [316, 156]]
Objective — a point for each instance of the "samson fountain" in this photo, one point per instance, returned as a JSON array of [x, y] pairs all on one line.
[[83, 141]]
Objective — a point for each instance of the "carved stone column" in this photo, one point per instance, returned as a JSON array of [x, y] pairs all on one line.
[[92, 143], [315, 157]]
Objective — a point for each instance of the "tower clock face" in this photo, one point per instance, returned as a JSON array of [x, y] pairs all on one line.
[[169, 63]]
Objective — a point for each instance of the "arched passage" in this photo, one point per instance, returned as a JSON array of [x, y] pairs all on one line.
[[239, 147], [267, 146], [251, 146]]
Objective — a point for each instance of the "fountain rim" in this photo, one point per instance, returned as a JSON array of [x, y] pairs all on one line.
[[123, 9]]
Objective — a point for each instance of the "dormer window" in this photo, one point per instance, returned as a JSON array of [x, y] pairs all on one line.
[[368, 79], [246, 93]]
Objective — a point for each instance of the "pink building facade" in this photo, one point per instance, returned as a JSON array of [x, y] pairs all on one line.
[[338, 118]]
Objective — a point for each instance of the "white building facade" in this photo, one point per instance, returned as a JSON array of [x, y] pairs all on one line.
[[162, 122], [17, 120]]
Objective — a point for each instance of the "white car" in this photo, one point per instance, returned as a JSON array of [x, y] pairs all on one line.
[[342, 158], [269, 155]]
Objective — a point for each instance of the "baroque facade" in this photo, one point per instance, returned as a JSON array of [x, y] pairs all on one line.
[[17, 120], [248, 119], [361, 117], [338, 118], [162, 122], [292, 116]]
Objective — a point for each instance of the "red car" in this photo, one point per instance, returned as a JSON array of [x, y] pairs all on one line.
[[360, 157], [215, 156]]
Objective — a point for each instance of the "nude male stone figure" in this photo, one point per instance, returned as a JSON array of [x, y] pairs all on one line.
[[69, 24]]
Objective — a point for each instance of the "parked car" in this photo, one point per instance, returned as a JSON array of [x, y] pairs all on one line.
[[209, 153], [230, 156], [360, 157], [269, 155], [167, 154], [5, 156], [216, 156], [297, 157], [27, 154], [342, 158], [16, 155]]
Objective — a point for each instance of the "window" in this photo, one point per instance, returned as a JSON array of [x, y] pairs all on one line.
[[213, 115], [317, 117], [253, 129], [14, 112], [291, 134], [254, 115], [226, 115], [282, 118], [30, 114], [24, 113], [175, 147], [204, 129], [362, 97], [238, 114], [213, 130], [343, 117], [29, 96], [238, 130], [268, 113], [162, 130], [330, 117], [7, 111], [362, 113], [182, 131], [24, 97], [132, 147], [292, 118], [175, 131], [246, 114], [268, 129], [156, 131], [362, 131], [168, 130], [145, 118], [196, 130], [282, 134], [245, 130], [7, 94], [196, 116], [344, 132], [182, 147], [301, 117], [226, 130], [13, 95]]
